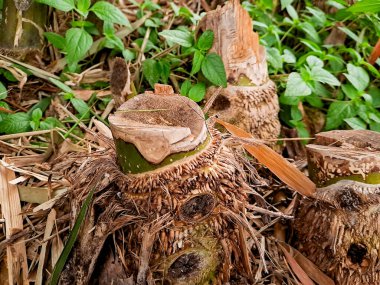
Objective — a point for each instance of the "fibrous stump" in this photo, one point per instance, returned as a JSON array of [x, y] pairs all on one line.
[[350, 155], [177, 198], [342, 236], [250, 100], [338, 227]]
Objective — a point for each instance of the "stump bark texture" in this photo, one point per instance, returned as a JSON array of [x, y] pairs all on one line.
[[250, 100], [338, 228], [174, 193]]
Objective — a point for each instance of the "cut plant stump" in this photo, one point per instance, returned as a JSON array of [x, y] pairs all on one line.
[[176, 197], [353, 155], [250, 100], [338, 228], [22, 23]]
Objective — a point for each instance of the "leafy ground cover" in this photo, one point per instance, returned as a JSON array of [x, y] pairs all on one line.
[[318, 59]]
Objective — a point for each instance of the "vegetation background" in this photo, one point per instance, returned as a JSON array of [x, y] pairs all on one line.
[[318, 58]]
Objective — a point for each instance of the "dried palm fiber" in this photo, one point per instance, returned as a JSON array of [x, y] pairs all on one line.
[[178, 198], [249, 101], [338, 227]]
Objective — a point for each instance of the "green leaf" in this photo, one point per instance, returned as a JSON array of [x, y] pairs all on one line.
[[61, 85], [285, 3], [83, 6], [296, 86], [78, 42], [274, 58], [213, 70], [365, 6], [151, 71], [310, 32], [63, 5], [3, 91], [128, 55], [323, 76], [292, 12], [81, 107], [206, 40], [197, 62], [357, 76], [15, 123], [374, 127], [3, 114], [350, 91], [295, 113], [50, 123], [349, 33], [185, 87], [197, 92], [180, 37], [356, 123], [165, 71], [338, 111], [108, 12], [314, 61], [36, 115], [375, 94], [314, 101], [71, 240], [56, 40], [289, 57]]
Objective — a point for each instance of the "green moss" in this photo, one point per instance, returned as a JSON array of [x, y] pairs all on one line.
[[131, 160]]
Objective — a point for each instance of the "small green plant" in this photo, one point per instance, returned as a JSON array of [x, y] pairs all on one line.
[[335, 79], [209, 65], [19, 122], [78, 39]]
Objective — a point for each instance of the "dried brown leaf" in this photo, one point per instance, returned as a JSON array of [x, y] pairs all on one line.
[[375, 53], [308, 267], [282, 168]]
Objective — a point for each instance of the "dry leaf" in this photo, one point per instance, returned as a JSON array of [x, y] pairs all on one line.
[[298, 271], [375, 53], [308, 267], [282, 168]]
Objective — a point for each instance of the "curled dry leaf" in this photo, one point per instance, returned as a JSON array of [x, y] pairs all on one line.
[[307, 266]]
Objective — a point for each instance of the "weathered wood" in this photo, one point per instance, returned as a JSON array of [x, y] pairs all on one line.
[[338, 227], [339, 155], [250, 99]]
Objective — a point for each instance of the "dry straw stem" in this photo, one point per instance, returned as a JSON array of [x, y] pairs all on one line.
[[48, 230], [288, 173], [11, 212]]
